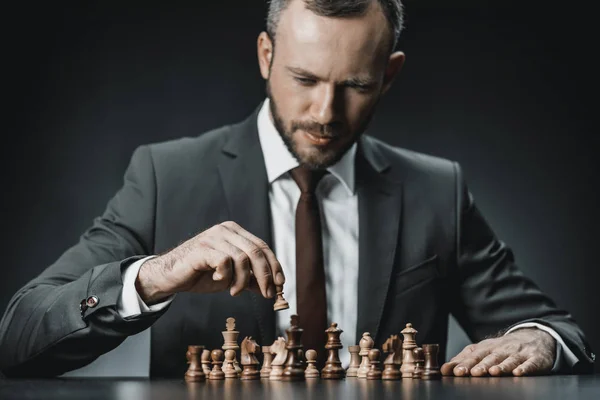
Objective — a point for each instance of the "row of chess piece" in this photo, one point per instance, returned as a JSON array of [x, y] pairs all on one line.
[[287, 361]]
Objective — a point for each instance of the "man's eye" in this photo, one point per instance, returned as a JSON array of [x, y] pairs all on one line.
[[304, 81]]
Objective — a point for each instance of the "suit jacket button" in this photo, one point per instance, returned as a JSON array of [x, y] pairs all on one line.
[[92, 301]]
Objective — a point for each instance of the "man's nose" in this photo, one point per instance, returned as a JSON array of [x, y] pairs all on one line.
[[324, 105]]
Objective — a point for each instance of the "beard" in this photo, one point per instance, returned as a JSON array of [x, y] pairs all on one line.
[[321, 159]]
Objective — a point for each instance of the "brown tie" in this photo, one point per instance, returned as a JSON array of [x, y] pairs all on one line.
[[310, 275]]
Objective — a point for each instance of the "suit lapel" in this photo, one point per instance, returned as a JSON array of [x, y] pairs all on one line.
[[242, 171], [379, 208]]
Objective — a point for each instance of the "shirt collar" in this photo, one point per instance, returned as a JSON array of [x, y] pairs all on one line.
[[279, 160]]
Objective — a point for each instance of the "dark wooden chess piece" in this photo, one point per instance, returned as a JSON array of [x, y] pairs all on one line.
[[409, 343], [419, 362], [431, 369], [205, 361], [280, 302], [374, 372], [352, 370], [393, 347], [194, 372], [333, 366], [294, 365], [311, 370], [248, 359], [217, 360], [265, 371]]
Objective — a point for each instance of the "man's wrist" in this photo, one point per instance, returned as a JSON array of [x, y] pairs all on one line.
[[146, 283]]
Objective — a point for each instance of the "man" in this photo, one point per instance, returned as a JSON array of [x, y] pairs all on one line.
[[357, 232]]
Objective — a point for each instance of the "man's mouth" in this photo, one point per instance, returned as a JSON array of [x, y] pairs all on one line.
[[319, 140]]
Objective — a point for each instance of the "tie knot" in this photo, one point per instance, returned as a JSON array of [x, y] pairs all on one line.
[[307, 179]]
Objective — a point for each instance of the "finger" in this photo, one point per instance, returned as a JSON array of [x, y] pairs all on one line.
[[448, 367], [241, 263], [258, 261], [531, 366], [506, 367], [482, 367], [276, 269], [464, 366], [218, 261]]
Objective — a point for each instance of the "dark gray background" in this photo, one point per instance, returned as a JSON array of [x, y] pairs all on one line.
[[505, 89]]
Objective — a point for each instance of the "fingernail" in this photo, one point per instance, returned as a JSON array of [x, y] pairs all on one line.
[[217, 276], [461, 370], [279, 278], [270, 291]]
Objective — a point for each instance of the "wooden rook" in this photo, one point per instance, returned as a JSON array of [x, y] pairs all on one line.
[[228, 366], [366, 343], [354, 361], [280, 302], [194, 372], [409, 343], [311, 370], [249, 361], [265, 371], [431, 369], [391, 365], [205, 361], [294, 365], [230, 338], [278, 348], [333, 366], [419, 362], [217, 360], [374, 371]]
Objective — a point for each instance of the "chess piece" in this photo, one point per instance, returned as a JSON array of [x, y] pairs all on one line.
[[217, 360], [205, 361], [278, 348], [229, 367], [294, 365], [419, 362], [280, 302], [265, 371], [230, 336], [333, 366], [393, 347], [374, 372], [366, 343], [311, 370], [354, 361], [249, 360], [408, 361], [194, 372], [431, 368]]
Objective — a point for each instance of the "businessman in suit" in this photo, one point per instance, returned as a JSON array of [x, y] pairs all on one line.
[[357, 232]]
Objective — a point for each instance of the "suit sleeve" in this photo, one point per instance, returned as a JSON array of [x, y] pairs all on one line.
[[49, 327], [494, 294]]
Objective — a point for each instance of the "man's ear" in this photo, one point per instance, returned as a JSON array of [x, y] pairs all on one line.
[[264, 48], [395, 63]]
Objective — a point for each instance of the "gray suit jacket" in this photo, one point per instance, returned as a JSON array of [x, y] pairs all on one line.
[[425, 252]]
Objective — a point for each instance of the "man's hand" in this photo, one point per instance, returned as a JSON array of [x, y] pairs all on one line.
[[223, 257], [527, 351]]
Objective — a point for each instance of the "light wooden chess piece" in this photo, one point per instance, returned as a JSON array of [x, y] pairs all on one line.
[[194, 372], [229, 367], [374, 372], [217, 360], [419, 362], [354, 361], [278, 348], [294, 365], [280, 302], [205, 361], [391, 368], [230, 337], [366, 343], [333, 366], [265, 371], [249, 360], [408, 360], [311, 370], [431, 369]]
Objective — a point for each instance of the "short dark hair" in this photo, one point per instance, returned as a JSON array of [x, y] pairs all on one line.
[[392, 9]]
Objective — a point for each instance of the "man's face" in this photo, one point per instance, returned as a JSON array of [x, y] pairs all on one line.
[[325, 78]]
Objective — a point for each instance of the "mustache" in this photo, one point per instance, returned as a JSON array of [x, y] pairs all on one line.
[[327, 131]]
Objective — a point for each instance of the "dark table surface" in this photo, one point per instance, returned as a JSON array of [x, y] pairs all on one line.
[[543, 387]]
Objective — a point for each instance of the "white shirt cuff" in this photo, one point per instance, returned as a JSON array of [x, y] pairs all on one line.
[[563, 353], [129, 303]]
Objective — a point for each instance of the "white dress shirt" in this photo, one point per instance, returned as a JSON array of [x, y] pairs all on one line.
[[338, 204]]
